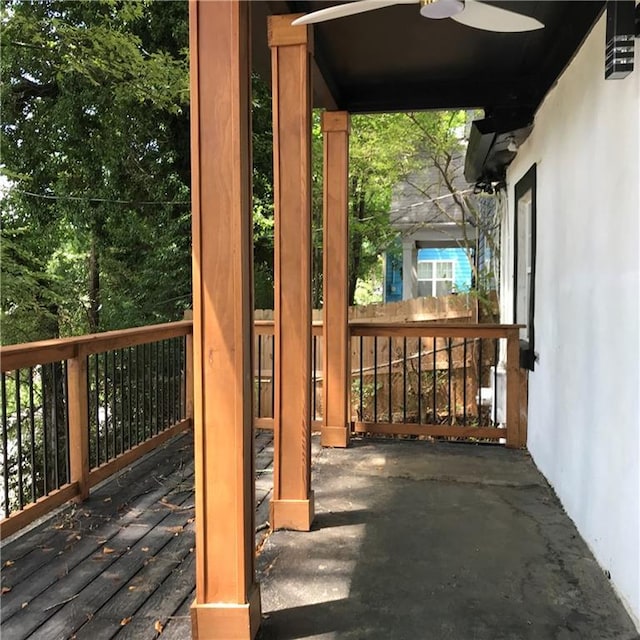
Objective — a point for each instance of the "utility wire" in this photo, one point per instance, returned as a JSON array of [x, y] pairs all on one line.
[[102, 200], [430, 200]]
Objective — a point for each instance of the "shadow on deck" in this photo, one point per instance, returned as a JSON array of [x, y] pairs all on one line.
[[412, 541]]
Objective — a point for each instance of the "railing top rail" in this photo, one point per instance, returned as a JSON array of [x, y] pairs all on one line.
[[433, 329], [29, 354]]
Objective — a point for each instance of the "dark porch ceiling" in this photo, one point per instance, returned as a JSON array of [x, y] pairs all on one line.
[[392, 59]]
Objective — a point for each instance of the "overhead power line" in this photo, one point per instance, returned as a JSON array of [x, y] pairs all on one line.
[[101, 200]]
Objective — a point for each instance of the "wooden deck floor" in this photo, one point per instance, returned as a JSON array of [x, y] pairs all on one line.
[[120, 565]]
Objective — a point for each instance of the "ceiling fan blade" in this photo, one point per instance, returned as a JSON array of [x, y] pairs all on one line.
[[485, 16], [348, 9]]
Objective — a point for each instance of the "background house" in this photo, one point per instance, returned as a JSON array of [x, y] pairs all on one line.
[[439, 243]]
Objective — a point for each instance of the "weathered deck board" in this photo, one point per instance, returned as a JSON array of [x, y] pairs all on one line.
[[108, 501], [121, 564], [113, 532]]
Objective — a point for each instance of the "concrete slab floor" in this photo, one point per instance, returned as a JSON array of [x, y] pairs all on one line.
[[433, 541]]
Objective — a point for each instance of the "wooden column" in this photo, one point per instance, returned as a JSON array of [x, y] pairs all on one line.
[[515, 438], [292, 504], [336, 386], [79, 423], [227, 603]]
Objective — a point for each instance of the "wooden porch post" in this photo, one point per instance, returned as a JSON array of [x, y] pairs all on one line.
[[336, 384], [227, 603], [292, 504], [79, 423], [515, 437]]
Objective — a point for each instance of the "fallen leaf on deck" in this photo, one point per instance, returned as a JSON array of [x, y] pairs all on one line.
[[23, 605], [177, 529], [126, 621], [132, 588], [5, 590], [158, 626], [8, 563], [107, 550], [145, 548], [107, 500]]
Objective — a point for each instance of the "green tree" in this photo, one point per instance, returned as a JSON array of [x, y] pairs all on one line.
[[381, 152], [94, 98]]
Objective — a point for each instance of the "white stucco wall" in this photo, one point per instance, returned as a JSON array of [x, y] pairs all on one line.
[[584, 408]]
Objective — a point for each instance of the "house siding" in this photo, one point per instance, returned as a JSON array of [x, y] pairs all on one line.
[[393, 270], [584, 408], [461, 269]]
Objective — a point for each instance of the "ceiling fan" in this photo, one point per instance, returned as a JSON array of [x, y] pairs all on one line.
[[468, 12]]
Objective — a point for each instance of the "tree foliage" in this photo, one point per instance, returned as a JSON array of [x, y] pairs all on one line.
[[94, 127]]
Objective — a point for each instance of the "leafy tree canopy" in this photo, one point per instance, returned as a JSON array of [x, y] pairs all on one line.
[[95, 146]]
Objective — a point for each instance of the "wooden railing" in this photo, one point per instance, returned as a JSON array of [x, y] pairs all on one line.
[[264, 348], [454, 380], [437, 380], [77, 410]]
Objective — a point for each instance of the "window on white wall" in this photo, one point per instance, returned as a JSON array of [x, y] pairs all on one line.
[[525, 264], [435, 277]]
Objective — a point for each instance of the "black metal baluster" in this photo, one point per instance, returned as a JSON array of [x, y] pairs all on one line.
[[259, 395], [129, 399], [32, 433], [19, 442], [160, 385], [146, 421], [114, 410], [314, 375], [273, 376], [464, 383], [183, 378], [163, 386], [168, 367], [449, 367], [106, 405], [89, 409], [137, 392], [45, 430], [495, 382], [67, 457], [175, 344], [56, 468], [97, 406], [390, 376], [419, 380], [404, 379], [361, 379], [435, 381], [480, 382], [171, 348], [157, 387], [5, 446], [375, 378]]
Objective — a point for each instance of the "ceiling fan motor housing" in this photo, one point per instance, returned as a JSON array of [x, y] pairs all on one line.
[[440, 8]]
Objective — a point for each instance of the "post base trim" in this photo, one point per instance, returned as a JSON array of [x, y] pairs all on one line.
[[296, 515], [227, 621], [335, 436]]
